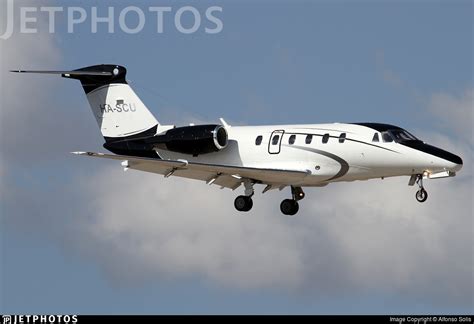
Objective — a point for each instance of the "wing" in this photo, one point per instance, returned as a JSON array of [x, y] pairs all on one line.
[[223, 175]]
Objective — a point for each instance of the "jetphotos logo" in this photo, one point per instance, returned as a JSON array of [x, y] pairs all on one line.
[[34, 319], [128, 20]]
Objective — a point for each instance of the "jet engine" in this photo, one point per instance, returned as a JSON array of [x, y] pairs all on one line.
[[195, 140]]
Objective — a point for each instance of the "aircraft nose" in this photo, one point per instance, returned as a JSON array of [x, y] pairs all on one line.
[[454, 161], [458, 163]]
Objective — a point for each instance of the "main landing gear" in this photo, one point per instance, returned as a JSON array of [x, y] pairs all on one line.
[[290, 206], [245, 203], [421, 195]]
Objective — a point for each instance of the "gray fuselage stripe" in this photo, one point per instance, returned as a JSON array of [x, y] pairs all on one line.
[[344, 165]]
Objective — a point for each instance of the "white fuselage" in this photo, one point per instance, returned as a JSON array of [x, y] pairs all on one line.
[[357, 157]]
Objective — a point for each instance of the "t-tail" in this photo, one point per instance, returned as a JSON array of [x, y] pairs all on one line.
[[119, 112]]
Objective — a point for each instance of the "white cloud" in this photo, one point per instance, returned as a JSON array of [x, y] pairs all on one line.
[[27, 109], [32, 108], [393, 79], [455, 112], [181, 228]]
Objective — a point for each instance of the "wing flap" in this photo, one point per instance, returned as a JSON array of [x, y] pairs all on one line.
[[222, 175]]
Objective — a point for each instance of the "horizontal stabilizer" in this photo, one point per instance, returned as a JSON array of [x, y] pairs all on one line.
[[91, 77], [68, 73]]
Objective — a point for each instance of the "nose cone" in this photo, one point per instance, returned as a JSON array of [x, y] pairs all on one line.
[[458, 165], [453, 161]]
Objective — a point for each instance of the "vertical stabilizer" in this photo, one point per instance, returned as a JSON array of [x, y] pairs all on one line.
[[116, 107]]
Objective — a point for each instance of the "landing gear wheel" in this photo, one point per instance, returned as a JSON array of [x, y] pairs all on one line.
[[243, 203], [421, 195], [289, 207]]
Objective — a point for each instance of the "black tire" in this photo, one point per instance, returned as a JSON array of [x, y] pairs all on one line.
[[296, 207], [421, 195], [243, 203], [249, 204], [289, 207]]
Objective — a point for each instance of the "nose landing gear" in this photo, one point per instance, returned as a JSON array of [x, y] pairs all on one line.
[[290, 206], [421, 195]]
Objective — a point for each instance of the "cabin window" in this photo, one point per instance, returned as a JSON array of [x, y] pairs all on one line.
[[325, 138], [375, 138], [258, 140], [292, 139], [308, 139], [387, 138], [275, 139], [342, 138]]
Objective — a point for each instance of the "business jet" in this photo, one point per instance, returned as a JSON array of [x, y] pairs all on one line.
[[277, 156]]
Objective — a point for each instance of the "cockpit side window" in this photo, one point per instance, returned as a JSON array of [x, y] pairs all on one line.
[[402, 135], [387, 138], [375, 138], [398, 135]]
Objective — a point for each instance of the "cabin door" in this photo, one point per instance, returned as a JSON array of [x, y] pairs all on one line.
[[274, 145]]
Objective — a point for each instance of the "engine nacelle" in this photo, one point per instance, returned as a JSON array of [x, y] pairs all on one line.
[[195, 140]]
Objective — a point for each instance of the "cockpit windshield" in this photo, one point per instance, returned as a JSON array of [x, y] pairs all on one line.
[[397, 135]]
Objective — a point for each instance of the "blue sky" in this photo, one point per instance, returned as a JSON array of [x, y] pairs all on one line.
[[274, 62]]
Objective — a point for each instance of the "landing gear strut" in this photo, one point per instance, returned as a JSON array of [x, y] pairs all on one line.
[[245, 203], [421, 195], [291, 206]]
